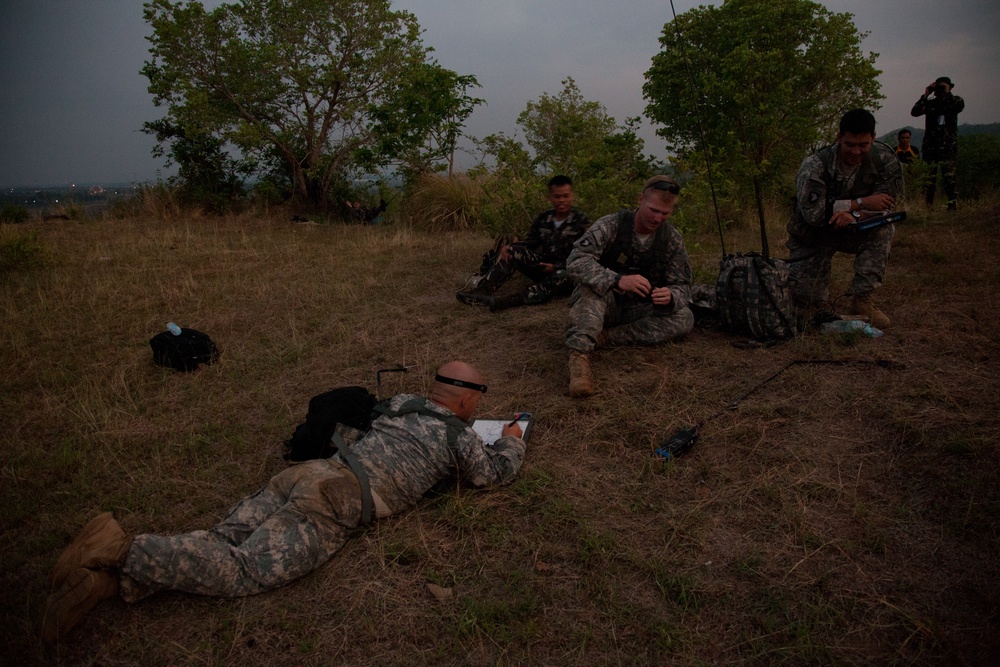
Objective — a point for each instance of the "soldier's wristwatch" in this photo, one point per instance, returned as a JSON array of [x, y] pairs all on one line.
[[857, 215]]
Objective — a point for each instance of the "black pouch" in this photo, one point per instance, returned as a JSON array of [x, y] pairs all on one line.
[[184, 352], [351, 406]]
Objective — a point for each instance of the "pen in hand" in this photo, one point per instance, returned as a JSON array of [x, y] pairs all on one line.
[[517, 418]]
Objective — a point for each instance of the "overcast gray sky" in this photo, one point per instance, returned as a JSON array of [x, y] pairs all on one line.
[[73, 100]]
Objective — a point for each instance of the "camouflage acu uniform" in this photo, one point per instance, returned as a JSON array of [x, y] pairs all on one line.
[[544, 244], [305, 513], [825, 186], [628, 319], [940, 144]]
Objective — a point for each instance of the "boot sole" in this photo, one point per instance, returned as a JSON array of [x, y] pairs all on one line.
[[82, 590]]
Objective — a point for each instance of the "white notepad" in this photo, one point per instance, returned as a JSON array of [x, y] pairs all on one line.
[[490, 430]]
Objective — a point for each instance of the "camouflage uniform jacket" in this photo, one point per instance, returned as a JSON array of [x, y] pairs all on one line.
[[406, 456], [821, 184], [587, 266], [554, 245], [940, 124]]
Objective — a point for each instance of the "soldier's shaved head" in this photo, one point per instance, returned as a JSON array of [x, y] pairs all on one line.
[[460, 400]]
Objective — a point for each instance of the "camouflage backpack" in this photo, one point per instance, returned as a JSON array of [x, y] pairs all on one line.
[[753, 297]]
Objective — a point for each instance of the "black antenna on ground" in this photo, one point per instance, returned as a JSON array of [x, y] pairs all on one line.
[[684, 439]]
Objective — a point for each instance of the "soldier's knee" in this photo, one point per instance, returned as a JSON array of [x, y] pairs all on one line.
[[674, 325]]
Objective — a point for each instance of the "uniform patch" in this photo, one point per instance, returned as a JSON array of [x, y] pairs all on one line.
[[813, 197], [585, 241]]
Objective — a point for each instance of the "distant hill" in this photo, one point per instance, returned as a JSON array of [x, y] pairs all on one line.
[[918, 132]]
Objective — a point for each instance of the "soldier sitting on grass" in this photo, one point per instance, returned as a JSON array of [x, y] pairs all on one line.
[[299, 520], [541, 256], [633, 282]]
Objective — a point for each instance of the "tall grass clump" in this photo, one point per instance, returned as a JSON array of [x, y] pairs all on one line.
[[20, 251], [161, 201], [68, 211], [13, 213], [441, 203], [511, 202]]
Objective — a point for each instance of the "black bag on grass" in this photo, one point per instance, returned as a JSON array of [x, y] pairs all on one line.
[[753, 297], [350, 406], [184, 351]]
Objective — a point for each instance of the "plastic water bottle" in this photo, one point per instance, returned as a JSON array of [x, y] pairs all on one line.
[[850, 326], [173, 328]]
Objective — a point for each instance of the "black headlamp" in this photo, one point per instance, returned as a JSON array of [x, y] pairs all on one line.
[[460, 383]]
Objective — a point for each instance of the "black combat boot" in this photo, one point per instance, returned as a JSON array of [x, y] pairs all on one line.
[[509, 301]]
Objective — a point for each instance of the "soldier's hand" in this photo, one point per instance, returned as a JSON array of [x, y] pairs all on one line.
[[512, 430], [877, 202], [548, 268], [636, 284], [662, 296], [505, 253], [841, 219]]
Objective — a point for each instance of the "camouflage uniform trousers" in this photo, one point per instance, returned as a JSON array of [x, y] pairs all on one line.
[[948, 162], [810, 265], [545, 285], [627, 320], [287, 529]]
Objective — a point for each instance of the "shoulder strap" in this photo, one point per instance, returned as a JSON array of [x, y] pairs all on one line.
[[453, 424], [621, 245], [418, 406], [351, 459], [826, 155]]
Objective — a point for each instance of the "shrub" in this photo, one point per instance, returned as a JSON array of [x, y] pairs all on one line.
[[13, 213], [978, 165], [69, 211], [20, 251], [916, 176], [159, 200]]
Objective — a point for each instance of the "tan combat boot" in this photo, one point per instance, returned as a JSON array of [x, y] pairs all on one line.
[[80, 592], [861, 304], [581, 384], [101, 543]]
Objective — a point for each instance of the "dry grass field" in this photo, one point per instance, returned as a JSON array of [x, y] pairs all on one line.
[[842, 514]]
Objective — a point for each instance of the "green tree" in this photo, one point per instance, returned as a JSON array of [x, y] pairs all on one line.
[[422, 125], [568, 135], [209, 176], [299, 79], [753, 85], [573, 135], [565, 129]]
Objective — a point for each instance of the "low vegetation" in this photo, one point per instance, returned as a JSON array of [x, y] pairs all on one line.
[[841, 514]]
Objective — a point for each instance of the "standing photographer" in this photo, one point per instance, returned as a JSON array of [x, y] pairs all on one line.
[[941, 109]]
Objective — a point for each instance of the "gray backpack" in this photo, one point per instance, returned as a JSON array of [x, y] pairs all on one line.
[[753, 297]]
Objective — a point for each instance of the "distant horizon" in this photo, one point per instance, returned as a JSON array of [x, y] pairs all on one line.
[[130, 184]]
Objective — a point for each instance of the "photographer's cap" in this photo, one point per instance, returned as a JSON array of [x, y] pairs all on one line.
[[944, 79]]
